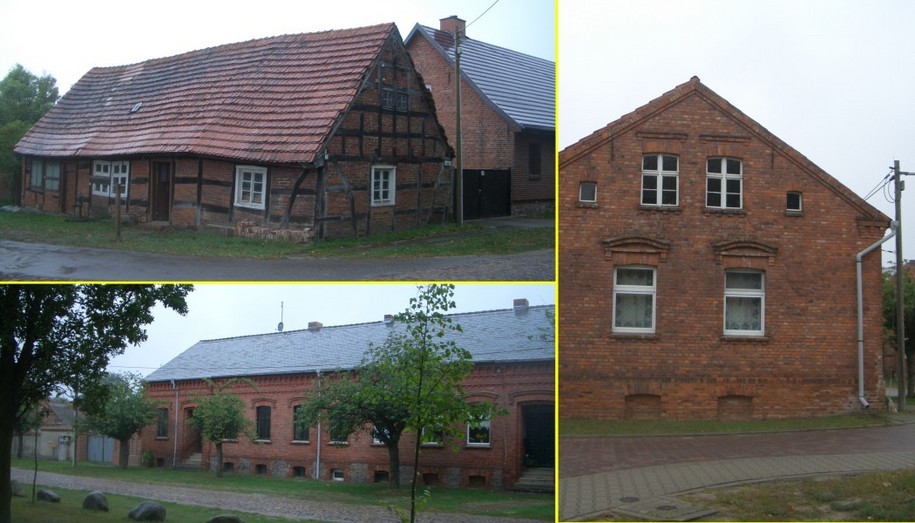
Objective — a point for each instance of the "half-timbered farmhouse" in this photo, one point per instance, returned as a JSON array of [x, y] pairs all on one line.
[[513, 368], [709, 271], [507, 109], [331, 132]]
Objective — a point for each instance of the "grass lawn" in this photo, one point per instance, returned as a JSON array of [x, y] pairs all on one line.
[[463, 501], [70, 510], [882, 496], [436, 240], [588, 427]]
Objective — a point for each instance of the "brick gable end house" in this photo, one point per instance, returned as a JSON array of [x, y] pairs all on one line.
[[507, 118], [333, 133], [513, 368], [708, 271]]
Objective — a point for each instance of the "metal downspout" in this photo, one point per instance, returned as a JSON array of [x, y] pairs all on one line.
[[175, 437], [318, 446], [893, 227]]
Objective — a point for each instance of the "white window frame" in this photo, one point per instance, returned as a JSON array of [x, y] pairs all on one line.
[[800, 201], [636, 290], [484, 422], [103, 168], [724, 178], [245, 189], [383, 184], [660, 174], [759, 294], [581, 196]]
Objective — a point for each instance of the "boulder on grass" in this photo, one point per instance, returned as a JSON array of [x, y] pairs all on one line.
[[48, 495], [17, 489], [225, 518], [148, 511], [95, 500]]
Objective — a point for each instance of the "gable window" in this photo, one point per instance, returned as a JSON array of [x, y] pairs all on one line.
[[403, 102], [634, 300], [383, 180], [587, 192], [387, 99], [299, 427], [660, 179], [162, 423], [724, 183], [109, 178], [534, 160], [263, 422], [744, 303], [249, 186], [479, 431], [794, 202]]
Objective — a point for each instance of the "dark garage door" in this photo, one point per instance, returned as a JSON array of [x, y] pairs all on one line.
[[487, 194]]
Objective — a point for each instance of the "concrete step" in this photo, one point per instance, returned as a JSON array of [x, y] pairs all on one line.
[[536, 480]]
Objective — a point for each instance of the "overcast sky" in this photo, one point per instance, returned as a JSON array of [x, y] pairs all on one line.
[[66, 38], [227, 310], [835, 79]]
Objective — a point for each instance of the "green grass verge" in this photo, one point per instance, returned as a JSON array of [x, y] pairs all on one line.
[[461, 501], [883, 496], [436, 240], [70, 510], [588, 427]]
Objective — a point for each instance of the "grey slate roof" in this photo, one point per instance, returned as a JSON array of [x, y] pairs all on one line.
[[519, 86], [490, 336]]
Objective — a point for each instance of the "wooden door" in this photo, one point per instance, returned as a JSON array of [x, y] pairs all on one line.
[[161, 191]]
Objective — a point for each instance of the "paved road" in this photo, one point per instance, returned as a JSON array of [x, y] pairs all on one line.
[[598, 473], [37, 261], [226, 501]]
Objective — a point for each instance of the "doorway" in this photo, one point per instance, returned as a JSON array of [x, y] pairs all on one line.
[[194, 442], [487, 193], [161, 191], [539, 439]]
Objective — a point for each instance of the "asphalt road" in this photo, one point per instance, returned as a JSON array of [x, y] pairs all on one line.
[[43, 262]]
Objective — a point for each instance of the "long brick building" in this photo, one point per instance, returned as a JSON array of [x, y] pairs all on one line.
[[709, 271], [513, 368]]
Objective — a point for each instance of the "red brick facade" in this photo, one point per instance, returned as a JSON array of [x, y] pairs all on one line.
[[525, 390], [798, 358], [489, 140]]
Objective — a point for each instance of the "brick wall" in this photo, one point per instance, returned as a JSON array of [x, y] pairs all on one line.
[[806, 361], [510, 386]]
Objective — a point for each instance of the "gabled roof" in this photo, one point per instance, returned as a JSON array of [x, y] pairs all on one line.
[[694, 87], [267, 100], [518, 86], [492, 336]]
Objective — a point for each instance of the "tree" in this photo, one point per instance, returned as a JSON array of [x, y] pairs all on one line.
[[889, 317], [44, 328], [24, 98], [220, 416], [126, 411], [410, 383]]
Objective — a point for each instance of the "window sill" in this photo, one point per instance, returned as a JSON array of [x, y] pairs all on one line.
[[727, 212], [161, 438], [484, 446], [263, 441], [432, 445], [745, 337], [660, 208], [588, 205], [382, 204], [301, 442], [794, 214], [249, 206], [636, 335], [230, 440], [338, 443]]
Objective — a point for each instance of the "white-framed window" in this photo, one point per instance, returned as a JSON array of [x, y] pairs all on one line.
[[337, 474], [432, 436], [106, 176], [794, 201], [479, 432], [634, 299], [262, 414], [744, 303], [250, 183], [660, 179], [724, 183], [383, 182], [587, 192]]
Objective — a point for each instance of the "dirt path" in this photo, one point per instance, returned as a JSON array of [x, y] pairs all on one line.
[[295, 509]]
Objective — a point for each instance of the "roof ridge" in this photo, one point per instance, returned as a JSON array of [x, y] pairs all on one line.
[[475, 40]]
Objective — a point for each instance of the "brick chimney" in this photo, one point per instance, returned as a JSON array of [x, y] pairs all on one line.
[[521, 305], [451, 23], [389, 320], [315, 326]]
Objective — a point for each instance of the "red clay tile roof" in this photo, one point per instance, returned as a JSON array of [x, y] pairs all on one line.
[[267, 100]]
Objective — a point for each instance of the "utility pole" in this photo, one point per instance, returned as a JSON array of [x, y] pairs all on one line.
[[900, 313], [459, 175]]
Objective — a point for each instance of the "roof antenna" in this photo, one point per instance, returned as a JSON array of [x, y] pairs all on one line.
[[279, 327]]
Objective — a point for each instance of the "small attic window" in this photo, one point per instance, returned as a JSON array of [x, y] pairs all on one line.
[[794, 202], [136, 107]]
